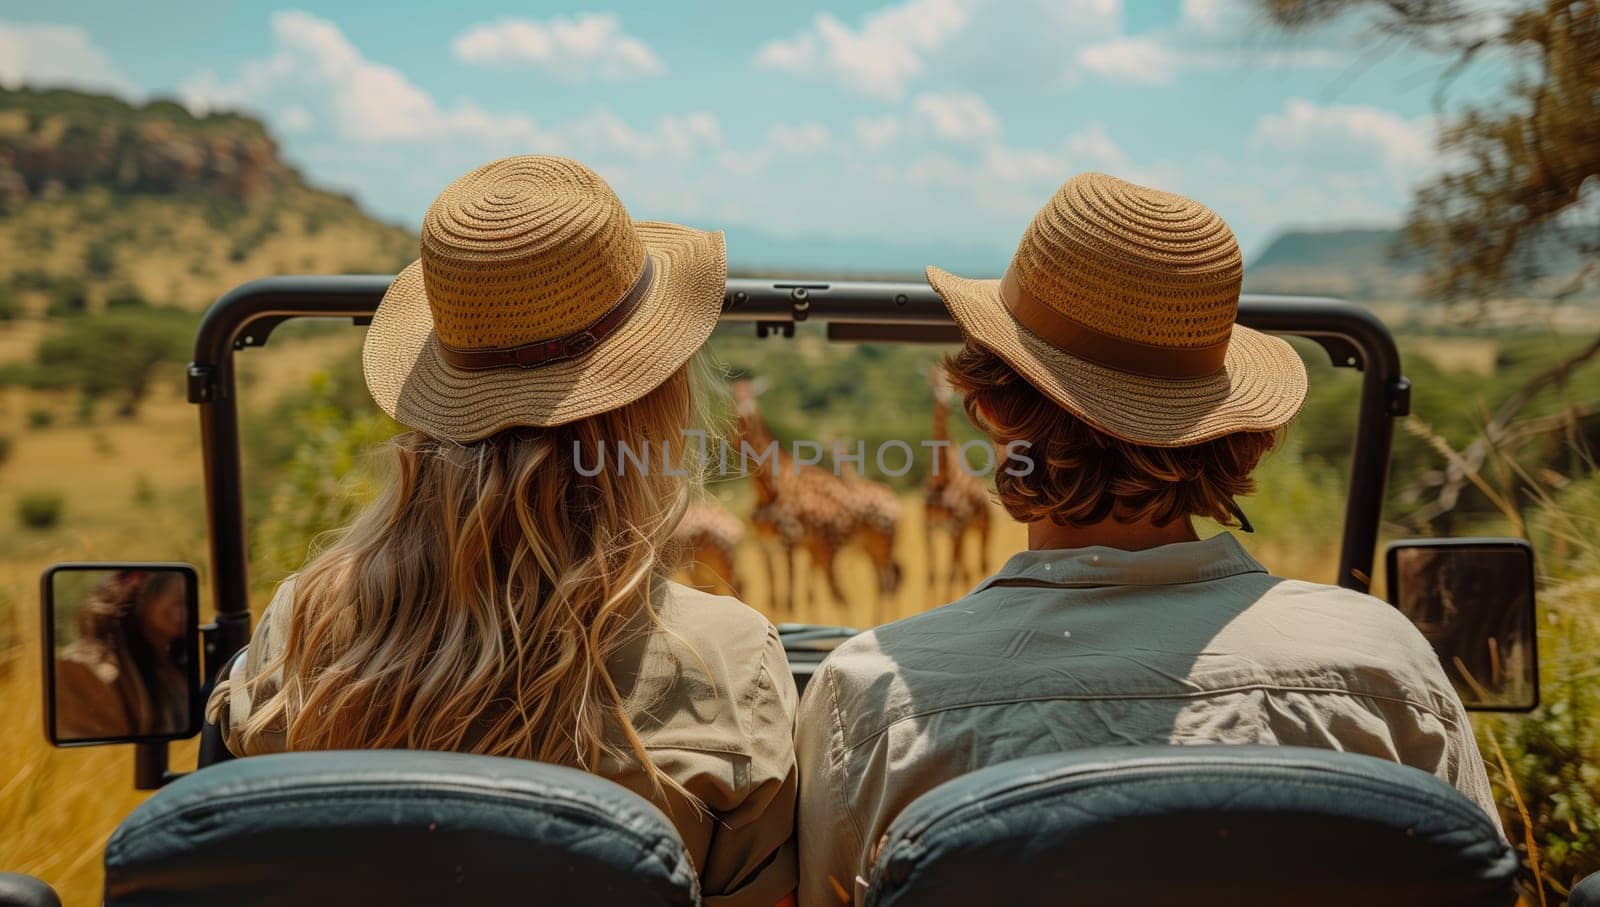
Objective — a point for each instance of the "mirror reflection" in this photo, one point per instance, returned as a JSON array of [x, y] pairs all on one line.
[[1474, 603], [122, 649]]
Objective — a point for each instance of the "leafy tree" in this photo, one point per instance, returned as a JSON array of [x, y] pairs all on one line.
[[114, 355], [68, 297], [1522, 161], [100, 258], [1519, 167]]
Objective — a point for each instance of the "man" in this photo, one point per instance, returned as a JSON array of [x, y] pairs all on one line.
[[1109, 349]]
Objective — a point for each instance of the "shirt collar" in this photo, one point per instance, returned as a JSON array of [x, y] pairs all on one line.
[[1166, 565]]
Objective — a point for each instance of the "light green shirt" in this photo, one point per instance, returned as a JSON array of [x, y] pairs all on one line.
[[714, 703], [1187, 643]]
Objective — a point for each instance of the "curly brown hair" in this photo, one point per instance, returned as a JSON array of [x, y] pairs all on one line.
[[1081, 475]]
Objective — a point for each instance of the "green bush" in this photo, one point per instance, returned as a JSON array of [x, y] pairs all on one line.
[[1546, 764], [144, 492], [100, 258], [115, 355], [10, 308], [39, 417], [39, 510], [125, 296], [68, 297], [327, 477], [40, 240], [32, 279]]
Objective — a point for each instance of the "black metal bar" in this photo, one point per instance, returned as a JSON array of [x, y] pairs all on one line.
[[150, 766], [246, 316], [1385, 395]]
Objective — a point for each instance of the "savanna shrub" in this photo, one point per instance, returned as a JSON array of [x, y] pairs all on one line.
[[39, 510]]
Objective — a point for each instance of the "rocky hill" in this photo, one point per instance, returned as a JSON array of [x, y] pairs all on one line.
[[1375, 265], [104, 202]]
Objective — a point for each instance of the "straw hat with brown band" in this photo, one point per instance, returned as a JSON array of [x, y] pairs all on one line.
[[1119, 305], [538, 302]]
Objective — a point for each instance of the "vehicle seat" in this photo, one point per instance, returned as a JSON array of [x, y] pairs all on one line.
[[1194, 825], [18, 890], [395, 828], [1586, 893], [213, 749]]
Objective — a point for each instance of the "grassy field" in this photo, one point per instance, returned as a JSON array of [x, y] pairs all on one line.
[[130, 489]]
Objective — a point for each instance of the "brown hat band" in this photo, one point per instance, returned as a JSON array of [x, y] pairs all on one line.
[[556, 349], [1103, 349]]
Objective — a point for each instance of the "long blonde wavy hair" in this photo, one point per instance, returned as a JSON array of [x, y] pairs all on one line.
[[474, 605]]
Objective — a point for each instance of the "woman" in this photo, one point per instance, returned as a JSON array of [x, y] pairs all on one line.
[[505, 594], [125, 675]]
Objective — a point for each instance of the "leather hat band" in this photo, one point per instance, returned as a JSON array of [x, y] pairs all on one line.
[[556, 349], [1096, 346]]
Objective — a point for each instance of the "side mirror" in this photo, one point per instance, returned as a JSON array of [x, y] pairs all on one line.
[[121, 653], [1473, 600]]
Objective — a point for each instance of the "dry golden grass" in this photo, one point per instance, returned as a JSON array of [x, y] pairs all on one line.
[[1472, 355], [131, 491]]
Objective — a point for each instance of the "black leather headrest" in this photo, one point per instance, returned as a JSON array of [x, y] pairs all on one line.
[[1586, 893], [17, 890], [1194, 825], [395, 828]]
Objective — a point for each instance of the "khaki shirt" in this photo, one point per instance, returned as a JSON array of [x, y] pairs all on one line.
[[715, 707], [1183, 644]]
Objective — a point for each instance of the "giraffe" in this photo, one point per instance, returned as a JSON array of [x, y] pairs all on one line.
[[707, 537], [876, 509], [954, 501], [798, 507]]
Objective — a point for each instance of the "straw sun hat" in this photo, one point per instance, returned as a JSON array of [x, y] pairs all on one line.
[[1119, 305], [538, 302]]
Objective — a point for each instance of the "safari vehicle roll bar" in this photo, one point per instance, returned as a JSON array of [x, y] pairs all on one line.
[[851, 311]]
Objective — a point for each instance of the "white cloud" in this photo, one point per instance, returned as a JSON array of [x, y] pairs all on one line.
[[366, 101], [295, 119], [1021, 165], [1079, 20], [1092, 146], [799, 138], [959, 116], [586, 46], [1203, 15], [1141, 59], [878, 59], [1345, 137], [1023, 173], [59, 56], [601, 133], [1262, 58], [875, 133], [1218, 35], [314, 74]]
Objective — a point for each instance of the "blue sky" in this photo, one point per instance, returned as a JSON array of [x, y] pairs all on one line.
[[924, 127]]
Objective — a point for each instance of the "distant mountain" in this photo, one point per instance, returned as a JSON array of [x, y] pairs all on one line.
[[103, 202], [1375, 265], [1361, 264]]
